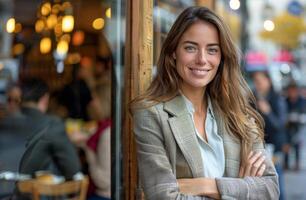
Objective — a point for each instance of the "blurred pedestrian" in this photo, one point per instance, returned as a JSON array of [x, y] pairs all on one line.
[[296, 108], [272, 107]]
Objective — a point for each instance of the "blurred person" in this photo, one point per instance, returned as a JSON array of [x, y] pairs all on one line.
[[47, 146], [36, 141], [53, 149], [13, 95], [197, 135], [296, 105], [272, 107], [102, 70], [97, 145], [76, 95], [12, 139]]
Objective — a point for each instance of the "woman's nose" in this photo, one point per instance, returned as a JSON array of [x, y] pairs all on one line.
[[201, 57]]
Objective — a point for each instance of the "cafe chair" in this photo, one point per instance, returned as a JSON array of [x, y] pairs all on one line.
[[72, 190]]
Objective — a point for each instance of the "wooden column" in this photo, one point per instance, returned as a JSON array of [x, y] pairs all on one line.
[[138, 70]]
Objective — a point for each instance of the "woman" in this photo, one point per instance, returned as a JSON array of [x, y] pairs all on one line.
[[195, 126], [98, 145]]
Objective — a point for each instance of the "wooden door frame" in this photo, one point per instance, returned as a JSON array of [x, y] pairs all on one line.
[[138, 69]]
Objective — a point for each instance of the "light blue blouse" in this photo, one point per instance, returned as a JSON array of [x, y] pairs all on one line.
[[212, 152]]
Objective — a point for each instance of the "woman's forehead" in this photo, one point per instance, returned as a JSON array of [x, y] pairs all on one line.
[[201, 31]]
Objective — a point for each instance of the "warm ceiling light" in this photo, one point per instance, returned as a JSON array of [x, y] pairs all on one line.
[[66, 4], [108, 13], [74, 58], [68, 23], [18, 49], [45, 45], [78, 38], [56, 8], [18, 28], [51, 21], [66, 37], [39, 26], [10, 25], [62, 47], [58, 29], [45, 8], [98, 23]]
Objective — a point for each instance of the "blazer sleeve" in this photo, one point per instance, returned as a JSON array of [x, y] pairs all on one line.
[[264, 187], [157, 178]]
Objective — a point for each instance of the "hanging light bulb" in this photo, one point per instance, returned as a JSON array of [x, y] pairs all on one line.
[[68, 23], [108, 13], [45, 8], [45, 45], [10, 25], [18, 28], [62, 47], [39, 26], [98, 23], [51, 21]]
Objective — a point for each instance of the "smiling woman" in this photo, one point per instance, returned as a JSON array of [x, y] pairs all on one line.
[[195, 128]]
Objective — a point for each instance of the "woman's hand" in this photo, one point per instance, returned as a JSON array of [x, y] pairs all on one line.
[[255, 165], [199, 187]]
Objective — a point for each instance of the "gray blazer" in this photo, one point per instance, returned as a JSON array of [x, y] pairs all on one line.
[[167, 150]]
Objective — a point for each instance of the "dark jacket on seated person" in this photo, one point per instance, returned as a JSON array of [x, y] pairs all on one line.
[[52, 151]]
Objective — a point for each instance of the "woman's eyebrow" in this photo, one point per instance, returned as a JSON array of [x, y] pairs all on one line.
[[195, 43], [213, 44], [190, 42]]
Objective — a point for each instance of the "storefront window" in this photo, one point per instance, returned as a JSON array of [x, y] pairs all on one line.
[[164, 14]]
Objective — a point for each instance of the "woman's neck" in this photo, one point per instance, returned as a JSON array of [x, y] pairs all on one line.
[[196, 97]]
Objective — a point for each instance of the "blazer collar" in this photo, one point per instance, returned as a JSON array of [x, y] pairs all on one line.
[[176, 106], [184, 133]]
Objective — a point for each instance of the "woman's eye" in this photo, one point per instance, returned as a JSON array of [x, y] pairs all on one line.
[[213, 51], [190, 48]]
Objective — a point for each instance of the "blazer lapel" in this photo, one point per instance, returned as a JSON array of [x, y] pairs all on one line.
[[184, 133], [231, 148]]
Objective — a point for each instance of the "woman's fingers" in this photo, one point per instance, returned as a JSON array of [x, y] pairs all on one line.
[[257, 165], [261, 170], [241, 171], [253, 157]]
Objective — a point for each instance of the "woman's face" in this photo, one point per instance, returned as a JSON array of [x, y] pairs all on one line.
[[198, 55]]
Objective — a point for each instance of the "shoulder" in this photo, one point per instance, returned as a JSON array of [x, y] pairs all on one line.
[[54, 120], [56, 126], [147, 108]]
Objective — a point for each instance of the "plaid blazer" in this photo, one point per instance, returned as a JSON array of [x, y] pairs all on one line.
[[167, 150]]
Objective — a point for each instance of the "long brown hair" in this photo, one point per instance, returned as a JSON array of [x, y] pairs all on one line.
[[228, 91]]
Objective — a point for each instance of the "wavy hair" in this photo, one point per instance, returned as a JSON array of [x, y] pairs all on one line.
[[229, 92]]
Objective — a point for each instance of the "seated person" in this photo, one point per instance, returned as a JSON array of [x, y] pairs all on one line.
[[47, 146], [53, 148]]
